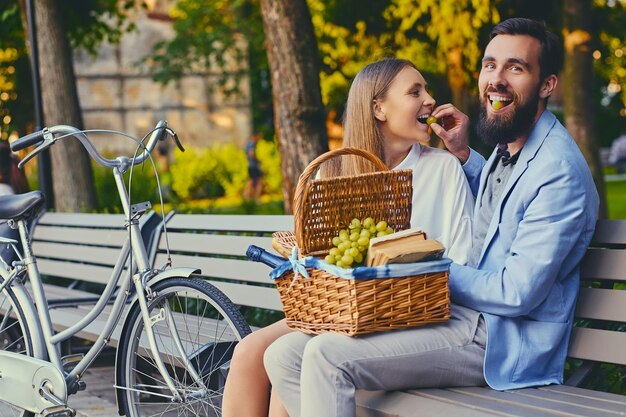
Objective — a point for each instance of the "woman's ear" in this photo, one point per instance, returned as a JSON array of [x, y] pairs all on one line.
[[379, 114], [548, 86]]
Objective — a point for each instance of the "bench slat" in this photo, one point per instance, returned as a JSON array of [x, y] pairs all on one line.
[[250, 295], [612, 232], [92, 220], [598, 345], [399, 403], [99, 237], [487, 403], [231, 222], [533, 403], [55, 292], [582, 398], [78, 253], [587, 393], [601, 304], [235, 269], [609, 264], [213, 244], [83, 272]]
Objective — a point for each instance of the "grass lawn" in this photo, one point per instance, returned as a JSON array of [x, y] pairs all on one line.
[[616, 198]]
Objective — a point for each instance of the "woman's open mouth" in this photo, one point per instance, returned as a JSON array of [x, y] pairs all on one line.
[[427, 119]]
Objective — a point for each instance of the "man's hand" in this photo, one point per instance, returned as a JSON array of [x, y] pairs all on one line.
[[454, 130]]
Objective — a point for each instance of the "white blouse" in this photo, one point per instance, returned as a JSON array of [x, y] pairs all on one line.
[[442, 200]]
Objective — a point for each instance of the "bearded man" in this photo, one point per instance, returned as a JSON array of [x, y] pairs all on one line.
[[536, 209]]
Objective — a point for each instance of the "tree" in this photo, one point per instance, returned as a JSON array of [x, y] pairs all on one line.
[[71, 169], [299, 113], [85, 24], [578, 83]]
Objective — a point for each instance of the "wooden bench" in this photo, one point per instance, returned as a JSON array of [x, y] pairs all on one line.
[[76, 254], [217, 244]]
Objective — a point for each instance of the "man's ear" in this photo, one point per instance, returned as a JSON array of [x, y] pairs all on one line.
[[548, 86], [379, 114]]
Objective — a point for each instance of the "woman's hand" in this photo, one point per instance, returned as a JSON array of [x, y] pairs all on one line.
[[454, 131]]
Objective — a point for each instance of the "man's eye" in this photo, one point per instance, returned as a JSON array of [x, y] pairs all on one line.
[[516, 68], [488, 65]]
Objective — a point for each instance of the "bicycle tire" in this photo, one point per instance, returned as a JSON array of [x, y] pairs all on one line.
[[211, 326], [14, 336]]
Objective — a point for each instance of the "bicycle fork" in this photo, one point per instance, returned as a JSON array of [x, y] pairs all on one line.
[[149, 322]]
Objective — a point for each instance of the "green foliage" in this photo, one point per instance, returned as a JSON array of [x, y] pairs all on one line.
[[16, 95], [222, 37], [616, 199], [609, 63], [88, 23], [351, 34], [222, 170], [142, 188], [261, 317], [269, 158]]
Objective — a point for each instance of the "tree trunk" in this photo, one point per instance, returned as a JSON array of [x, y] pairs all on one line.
[[578, 105], [456, 79], [71, 170], [299, 115]]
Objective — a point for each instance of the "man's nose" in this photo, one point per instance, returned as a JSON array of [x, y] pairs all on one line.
[[497, 80]]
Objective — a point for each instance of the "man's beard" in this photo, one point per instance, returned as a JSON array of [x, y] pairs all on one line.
[[502, 129]]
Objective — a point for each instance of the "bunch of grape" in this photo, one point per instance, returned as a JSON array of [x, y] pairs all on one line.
[[350, 246]]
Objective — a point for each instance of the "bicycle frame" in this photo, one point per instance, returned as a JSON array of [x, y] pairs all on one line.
[[46, 344]]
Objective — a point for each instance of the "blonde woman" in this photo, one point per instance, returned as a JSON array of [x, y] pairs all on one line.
[[385, 114]]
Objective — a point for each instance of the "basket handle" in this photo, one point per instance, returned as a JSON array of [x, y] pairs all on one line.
[[312, 167]]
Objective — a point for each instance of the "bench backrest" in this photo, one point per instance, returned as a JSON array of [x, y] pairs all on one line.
[[217, 244], [83, 246], [600, 334]]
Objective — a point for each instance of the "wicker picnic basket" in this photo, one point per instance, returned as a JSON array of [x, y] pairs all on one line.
[[325, 302]]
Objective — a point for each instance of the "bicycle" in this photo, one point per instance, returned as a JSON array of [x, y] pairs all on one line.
[[178, 333]]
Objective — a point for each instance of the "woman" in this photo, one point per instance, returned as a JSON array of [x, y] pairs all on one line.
[[12, 179], [385, 114]]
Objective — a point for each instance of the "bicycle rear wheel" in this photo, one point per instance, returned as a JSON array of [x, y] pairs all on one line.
[[14, 337], [208, 325]]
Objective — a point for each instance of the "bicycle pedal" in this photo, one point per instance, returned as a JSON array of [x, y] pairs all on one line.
[[66, 412], [70, 361]]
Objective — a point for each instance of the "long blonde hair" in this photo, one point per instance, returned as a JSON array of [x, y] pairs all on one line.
[[361, 128]]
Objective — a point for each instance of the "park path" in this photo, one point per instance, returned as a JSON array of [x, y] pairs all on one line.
[[98, 400]]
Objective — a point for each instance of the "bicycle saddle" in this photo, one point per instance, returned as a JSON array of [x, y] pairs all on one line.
[[14, 206]]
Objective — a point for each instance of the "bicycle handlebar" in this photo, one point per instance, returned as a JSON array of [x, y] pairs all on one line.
[[26, 141], [49, 136]]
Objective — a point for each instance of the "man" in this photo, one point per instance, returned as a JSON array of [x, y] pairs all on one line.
[[513, 304], [536, 210], [254, 186]]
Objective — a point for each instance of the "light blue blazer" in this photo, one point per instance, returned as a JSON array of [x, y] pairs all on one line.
[[526, 282]]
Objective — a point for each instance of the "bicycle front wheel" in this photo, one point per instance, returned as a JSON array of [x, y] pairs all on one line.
[[196, 326], [14, 337]]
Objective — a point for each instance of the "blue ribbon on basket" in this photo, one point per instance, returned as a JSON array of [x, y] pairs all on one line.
[[361, 272]]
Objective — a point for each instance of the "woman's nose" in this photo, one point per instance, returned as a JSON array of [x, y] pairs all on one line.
[[429, 100]]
